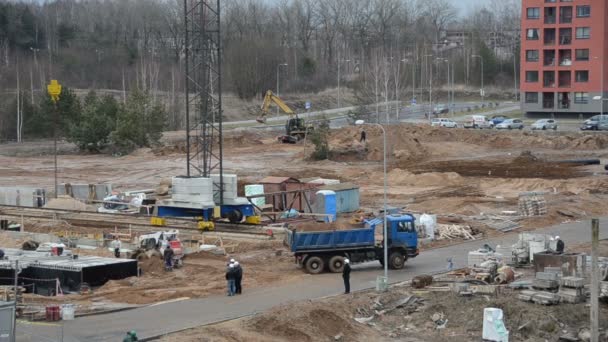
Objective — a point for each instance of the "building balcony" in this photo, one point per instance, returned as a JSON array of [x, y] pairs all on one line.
[[548, 104], [550, 20]]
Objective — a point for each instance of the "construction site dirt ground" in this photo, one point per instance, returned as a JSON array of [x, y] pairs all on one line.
[[333, 319], [456, 174]]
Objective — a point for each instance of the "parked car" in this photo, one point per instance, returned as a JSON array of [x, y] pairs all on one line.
[[477, 121], [443, 122], [544, 124], [592, 124], [603, 124], [496, 119], [511, 124], [441, 109]]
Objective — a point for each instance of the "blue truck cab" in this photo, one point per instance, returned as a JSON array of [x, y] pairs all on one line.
[[326, 249]]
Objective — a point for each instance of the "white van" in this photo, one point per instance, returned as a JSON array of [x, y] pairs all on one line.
[[477, 121]]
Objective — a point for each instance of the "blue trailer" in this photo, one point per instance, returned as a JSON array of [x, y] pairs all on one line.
[[318, 250]]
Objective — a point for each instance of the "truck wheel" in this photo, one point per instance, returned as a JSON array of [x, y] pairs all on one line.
[[235, 216], [396, 260], [314, 265], [336, 264]]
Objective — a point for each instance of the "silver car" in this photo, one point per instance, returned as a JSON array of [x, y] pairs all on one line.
[[511, 124], [544, 124]]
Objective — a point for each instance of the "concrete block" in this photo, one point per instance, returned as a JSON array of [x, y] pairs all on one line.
[[545, 284], [568, 291], [550, 269], [573, 282], [539, 297], [546, 276], [566, 298]]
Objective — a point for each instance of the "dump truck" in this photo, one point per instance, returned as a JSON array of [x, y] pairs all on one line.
[[317, 251]]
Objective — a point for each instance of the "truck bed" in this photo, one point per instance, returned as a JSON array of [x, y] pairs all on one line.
[[331, 239]]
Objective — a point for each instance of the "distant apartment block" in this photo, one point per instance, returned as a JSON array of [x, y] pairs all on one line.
[[564, 56]]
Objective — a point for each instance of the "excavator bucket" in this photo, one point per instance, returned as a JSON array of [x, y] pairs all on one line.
[[261, 119]]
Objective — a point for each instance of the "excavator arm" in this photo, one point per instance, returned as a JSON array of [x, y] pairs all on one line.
[[270, 98]]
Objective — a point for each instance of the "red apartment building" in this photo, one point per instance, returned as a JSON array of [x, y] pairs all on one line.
[[564, 56]]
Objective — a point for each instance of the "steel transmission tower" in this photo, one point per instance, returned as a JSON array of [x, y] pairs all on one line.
[[203, 90]]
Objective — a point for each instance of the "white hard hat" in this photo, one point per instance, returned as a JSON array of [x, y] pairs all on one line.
[[346, 261], [557, 237], [232, 260], [231, 265], [236, 263]]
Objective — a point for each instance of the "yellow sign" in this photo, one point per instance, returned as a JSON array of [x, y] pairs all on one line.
[[54, 90]]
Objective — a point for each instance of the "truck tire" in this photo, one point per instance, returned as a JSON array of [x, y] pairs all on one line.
[[396, 260], [314, 265], [336, 264], [235, 216]]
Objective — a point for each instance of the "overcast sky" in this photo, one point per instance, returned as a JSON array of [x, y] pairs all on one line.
[[464, 5]]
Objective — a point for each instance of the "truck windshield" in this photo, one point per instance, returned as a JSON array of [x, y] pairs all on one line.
[[405, 227]]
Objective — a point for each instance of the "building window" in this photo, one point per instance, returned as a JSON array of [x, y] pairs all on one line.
[[533, 13], [531, 97], [531, 76], [582, 54], [550, 1], [532, 34], [581, 97], [583, 11], [565, 0], [583, 32], [565, 14], [582, 76], [532, 55]]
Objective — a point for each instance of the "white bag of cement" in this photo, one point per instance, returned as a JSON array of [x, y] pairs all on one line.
[[429, 222], [256, 189], [493, 326]]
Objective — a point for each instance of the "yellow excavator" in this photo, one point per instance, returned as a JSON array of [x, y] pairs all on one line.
[[295, 127]]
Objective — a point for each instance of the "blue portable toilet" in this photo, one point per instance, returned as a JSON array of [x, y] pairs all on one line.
[[325, 203]]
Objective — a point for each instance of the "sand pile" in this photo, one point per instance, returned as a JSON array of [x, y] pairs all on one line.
[[401, 177], [67, 203], [8, 242], [345, 145]]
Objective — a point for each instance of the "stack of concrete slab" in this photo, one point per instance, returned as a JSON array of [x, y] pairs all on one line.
[[532, 204], [539, 297], [604, 289], [571, 290], [476, 258], [546, 281]]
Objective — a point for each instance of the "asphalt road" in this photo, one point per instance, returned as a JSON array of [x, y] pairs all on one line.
[[165, 318]]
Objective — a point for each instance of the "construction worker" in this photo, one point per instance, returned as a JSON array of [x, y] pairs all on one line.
[[238, 277], [230, 278], [363, 137], [1, 254], [168, 256], [117, 245], [560, 245], [346, 276], [131, 337]]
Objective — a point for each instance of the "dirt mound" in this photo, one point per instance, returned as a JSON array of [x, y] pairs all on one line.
[[8, 242], [152, 265], [67, 203], [402, 177], [524, 166], [204, 255], [345, 145]]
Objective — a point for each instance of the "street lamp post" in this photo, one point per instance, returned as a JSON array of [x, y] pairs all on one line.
[[339, 64], [413, 78], [430, 89], [601, 97], [278, 79], [481, 92], [447, 62], [385, 229]]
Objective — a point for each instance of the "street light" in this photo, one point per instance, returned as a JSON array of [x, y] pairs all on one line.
[[450, 85], [340, 63], [430, 89], [481, 92], [385, 230], [278, 84]]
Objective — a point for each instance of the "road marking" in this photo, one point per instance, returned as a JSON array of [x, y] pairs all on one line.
[[170, 301], [38, 323]]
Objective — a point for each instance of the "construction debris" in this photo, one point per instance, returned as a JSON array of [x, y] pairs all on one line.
[[453, 231], [572, 290], [532, 204]]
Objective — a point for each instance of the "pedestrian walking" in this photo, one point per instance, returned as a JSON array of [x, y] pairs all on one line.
[[230, 278], [363, 137], [168, 257], [346, 276], [131, 337], [560, 245], [450, 266], [238, 289], [117, 245]]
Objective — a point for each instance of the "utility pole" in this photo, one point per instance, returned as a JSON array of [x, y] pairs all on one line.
[[595, 281], [16, 275], [482, 93], [278, 83], [430, 88]]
